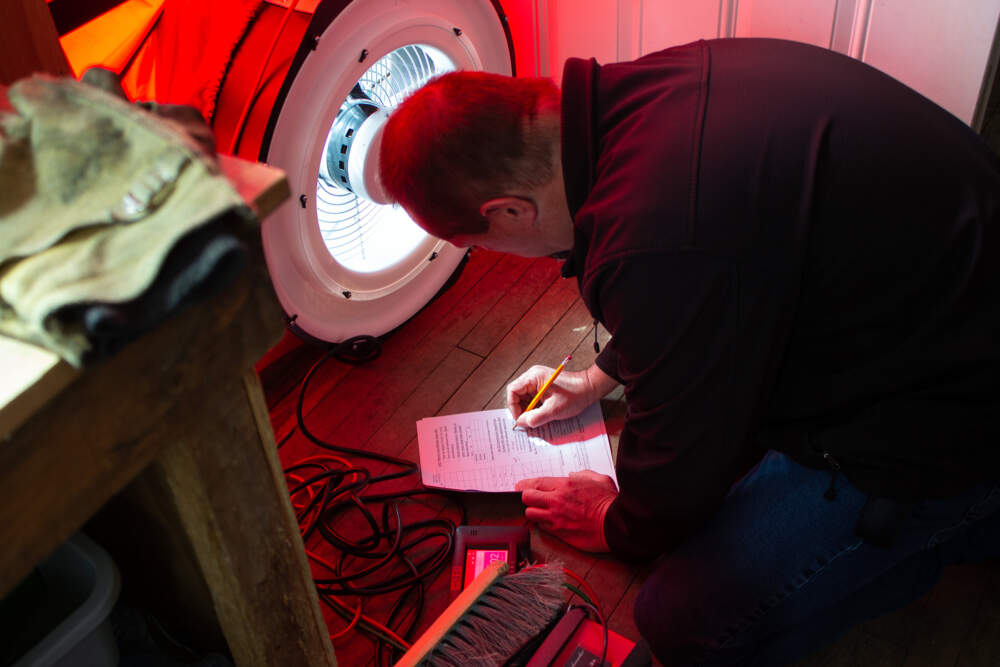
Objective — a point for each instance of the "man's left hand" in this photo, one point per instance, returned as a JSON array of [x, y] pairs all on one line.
[[571, 508]]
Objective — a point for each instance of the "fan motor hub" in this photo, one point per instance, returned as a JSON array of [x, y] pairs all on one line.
[[341, 140], [352, 150], [363, 159]]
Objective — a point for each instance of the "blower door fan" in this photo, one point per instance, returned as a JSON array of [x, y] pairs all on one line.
[[343, 262]]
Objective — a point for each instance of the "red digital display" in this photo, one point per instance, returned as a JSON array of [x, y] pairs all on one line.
[[476, 560]]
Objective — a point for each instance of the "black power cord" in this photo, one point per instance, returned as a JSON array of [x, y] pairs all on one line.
[[394, 555]]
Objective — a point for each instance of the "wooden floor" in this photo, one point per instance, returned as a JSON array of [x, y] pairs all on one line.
[[503, 314]]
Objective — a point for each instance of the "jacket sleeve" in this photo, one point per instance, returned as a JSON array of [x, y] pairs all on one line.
[[607, 360], [681, 339]]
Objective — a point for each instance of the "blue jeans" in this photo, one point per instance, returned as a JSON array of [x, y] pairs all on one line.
[[779, 571]]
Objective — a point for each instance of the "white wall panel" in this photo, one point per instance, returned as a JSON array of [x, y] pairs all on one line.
[[941, 48], [613, 30], [582, 29], [522, 18], [671, 22], [809, 21]]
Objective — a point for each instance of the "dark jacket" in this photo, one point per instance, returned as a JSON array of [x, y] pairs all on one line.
[[792, 251]]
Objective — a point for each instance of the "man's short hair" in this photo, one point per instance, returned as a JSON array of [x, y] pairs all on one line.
[[464, 138]]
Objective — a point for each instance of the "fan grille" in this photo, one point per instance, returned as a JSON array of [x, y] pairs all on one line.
[[361, 235]]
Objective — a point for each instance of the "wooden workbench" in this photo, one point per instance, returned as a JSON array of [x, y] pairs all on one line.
[[179, 417]]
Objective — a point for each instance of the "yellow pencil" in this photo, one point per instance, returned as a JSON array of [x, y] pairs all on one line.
[[548, 382]]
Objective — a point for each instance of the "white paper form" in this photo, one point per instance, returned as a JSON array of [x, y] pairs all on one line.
[[479, 451]]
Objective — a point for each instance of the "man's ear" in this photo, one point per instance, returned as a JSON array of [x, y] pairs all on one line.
[[509, 210]]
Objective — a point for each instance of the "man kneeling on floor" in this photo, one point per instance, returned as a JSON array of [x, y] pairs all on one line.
[[798, 259]]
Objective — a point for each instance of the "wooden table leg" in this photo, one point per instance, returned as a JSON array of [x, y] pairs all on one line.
[[224, 478]]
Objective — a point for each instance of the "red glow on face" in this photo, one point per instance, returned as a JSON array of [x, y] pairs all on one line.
[[476, 560]]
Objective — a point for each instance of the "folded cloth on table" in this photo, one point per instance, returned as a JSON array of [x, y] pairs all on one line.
[[110, 218]]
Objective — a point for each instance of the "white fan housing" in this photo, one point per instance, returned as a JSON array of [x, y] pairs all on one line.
[[343, 263]]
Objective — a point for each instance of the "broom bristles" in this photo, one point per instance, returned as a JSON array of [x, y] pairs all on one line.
[[488, 627]]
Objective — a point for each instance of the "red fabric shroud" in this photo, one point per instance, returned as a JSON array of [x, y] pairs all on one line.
[[186, 55]]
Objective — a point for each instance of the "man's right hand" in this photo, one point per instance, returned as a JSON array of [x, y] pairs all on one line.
[[570, 394]]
